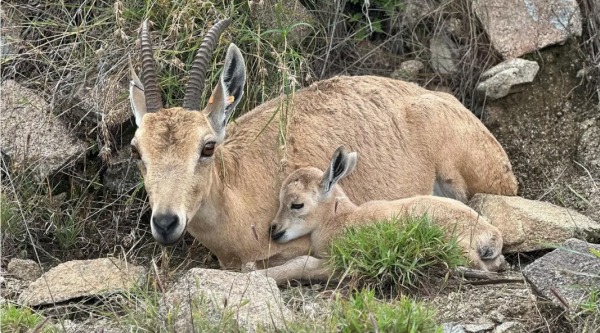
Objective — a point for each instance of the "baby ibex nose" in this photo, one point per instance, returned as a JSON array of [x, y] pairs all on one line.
[[273, 228], [165, 222]]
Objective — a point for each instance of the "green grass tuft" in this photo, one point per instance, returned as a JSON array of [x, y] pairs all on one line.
[[20, 319], [394, 253], [363, 313]]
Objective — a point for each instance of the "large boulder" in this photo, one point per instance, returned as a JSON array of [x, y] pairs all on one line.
[[255, 300], [32, 136], [82, 278], [498, 80], [517, 27], [529, 225], [568, 272]]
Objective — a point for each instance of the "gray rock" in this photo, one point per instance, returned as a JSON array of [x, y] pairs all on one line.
[[408, 70], [498, 81], [517, 27], [80, 278], [452, 328], [444, 53], [509, 327], [24, 269], [32, 136], [529, 225], [478, 328], [588, 150], [269, 15], [572, 269], [106, 100], [122, 174], [255, 300]]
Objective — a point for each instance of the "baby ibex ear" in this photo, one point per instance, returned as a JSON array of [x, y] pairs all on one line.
[[228, 92], [342, 164]]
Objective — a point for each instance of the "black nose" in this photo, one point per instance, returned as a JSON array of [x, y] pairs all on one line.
[[272, 230], [275, 235], [165, 223]]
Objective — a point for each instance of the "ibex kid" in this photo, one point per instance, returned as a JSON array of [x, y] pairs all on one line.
[[311, 202]]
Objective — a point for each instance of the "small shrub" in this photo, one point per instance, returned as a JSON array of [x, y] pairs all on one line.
[[393, 253], [363, 313], [19, 319]]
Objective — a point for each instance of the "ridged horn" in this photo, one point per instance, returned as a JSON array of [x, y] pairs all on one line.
[[195, 85], [151, 91]]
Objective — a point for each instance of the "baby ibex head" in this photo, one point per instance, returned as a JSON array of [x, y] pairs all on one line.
[[308, 196], [175, 147]]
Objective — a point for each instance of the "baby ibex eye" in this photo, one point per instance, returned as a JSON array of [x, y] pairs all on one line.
[[208, 150], [297, 206]]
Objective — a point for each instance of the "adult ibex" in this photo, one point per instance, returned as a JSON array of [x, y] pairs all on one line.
[[311, 202], [223, 189]]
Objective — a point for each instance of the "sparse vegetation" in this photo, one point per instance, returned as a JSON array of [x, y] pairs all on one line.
[[400, 252], [588, 316]]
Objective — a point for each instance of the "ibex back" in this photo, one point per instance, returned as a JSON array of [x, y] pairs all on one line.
[[221, 182]]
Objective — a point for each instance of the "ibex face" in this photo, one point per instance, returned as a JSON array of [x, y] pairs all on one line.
[[307, 196], [176, 147]]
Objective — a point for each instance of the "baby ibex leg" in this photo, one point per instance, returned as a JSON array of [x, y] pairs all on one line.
[[302, 269]]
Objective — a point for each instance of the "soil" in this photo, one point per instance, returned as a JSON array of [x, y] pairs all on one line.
[[541, 126]]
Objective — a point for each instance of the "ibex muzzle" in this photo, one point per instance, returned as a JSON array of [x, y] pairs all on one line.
[[176, 147]]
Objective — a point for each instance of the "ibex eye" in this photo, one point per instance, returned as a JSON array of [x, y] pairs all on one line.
[[297, 206], [208, 150], [135, 153]]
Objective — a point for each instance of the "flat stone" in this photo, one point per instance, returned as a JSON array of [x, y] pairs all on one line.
[[24, 269], [529, 225], [478, 328], [571, 270], [497, 81], [32, 136], [255, 300], [452, 328], [443, 55], [517, 27], [82, 278], [509, 327]]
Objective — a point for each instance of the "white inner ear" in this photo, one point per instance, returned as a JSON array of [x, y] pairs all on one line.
[[138, 101]]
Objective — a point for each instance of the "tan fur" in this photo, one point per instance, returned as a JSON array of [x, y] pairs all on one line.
[[323, 216], [406, 136]]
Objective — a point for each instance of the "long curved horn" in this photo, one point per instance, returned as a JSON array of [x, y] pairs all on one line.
[[195, 85], [151, 92]]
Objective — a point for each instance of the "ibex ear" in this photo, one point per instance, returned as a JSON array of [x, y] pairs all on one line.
[[136, 96], [228, 93], [342, 164]]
